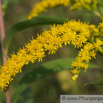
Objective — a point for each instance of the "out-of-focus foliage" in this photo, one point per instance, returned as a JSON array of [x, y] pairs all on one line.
[[50, 88]]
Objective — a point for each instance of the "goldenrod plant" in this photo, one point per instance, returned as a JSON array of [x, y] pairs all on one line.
[[87, 38], [76, 4]]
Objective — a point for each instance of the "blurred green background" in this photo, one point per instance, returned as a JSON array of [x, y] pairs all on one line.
[[49, 88]]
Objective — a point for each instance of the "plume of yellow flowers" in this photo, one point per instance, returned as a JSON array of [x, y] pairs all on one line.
[[87, 4], [81, 35], [44, 4]]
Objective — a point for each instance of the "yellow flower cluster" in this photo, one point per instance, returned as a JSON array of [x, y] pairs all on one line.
[[76, 33], [87, 4], [89, 50], [44, 4]]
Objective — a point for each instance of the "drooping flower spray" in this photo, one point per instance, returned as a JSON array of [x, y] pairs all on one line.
[[80, 35]]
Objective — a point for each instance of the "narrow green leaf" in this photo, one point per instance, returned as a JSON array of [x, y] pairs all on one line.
[[26, 96], [97, 82], [2, 96], [44, 70], [93, 66], [50, 68], [47, 69], [38, 20], [18, 90]]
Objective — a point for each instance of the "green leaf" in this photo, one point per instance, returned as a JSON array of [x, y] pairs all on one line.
[[50, 68], [47, 69], [93, 66], [17, 92], [36, 21], [2, 96], [97, 82], [43, 70], [26, 96]]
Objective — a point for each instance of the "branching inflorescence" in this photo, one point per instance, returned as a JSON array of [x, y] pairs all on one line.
[[80, 35], [76, 4]]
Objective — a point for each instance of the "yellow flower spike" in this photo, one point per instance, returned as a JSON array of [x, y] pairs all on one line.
[[45, 4], [76, 33], [85, 55]]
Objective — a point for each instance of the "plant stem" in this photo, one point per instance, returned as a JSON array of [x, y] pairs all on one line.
[[2, 35], [2, 30]]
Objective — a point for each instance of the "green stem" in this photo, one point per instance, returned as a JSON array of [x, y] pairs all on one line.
[[4, 57]]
